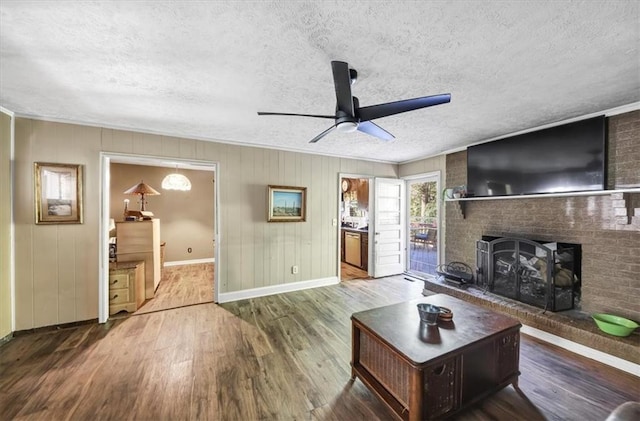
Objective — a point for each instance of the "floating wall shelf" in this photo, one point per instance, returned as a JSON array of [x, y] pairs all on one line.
[[545, 195], [461, 202]]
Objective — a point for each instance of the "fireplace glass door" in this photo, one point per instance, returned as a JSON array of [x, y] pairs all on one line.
[[520, 271], [543, 274]]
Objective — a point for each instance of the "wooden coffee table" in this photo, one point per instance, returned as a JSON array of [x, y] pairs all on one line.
[[424, 372]]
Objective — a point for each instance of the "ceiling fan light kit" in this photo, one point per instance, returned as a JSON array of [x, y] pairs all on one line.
[[349, 117], [347, 126]]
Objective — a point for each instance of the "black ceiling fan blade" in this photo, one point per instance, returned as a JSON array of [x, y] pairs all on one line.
[[390, 108], [323, 134], [373, 129], [342, 82], [299, 115]]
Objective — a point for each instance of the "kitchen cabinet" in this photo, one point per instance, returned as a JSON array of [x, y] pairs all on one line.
[[364, 250], [362, 192], [140, 240], [358, 191]]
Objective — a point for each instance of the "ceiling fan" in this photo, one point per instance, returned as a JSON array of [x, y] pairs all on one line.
[[350, 116]]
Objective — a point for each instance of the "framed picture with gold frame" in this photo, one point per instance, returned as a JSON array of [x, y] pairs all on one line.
[[58, 193], [287, 204]]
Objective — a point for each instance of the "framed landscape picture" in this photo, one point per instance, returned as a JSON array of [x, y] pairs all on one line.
[[287, 204], [58, 193]]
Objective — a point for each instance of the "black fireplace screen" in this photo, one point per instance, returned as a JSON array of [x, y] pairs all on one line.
[[540, 274]]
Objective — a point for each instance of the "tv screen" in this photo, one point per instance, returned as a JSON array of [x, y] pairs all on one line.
[[567, 158]]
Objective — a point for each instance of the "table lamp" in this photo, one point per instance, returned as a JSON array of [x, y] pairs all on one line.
[[143, 190]]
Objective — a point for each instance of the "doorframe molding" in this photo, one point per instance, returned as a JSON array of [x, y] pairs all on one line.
[[441, 231], [342, 175], [105, 199], [12, 225]]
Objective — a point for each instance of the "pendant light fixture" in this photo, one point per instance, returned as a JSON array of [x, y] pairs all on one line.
[[176, 181]]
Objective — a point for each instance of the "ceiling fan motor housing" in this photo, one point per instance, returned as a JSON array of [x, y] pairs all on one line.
[[345, 123], [347, 126]]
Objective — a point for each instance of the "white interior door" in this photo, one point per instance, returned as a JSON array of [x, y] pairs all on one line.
[[389, 226]]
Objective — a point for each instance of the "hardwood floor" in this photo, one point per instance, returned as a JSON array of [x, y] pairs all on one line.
[[182, 286], [349, 272], [283, 357]]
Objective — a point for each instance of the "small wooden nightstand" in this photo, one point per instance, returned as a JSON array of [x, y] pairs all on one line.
[[126, 286]]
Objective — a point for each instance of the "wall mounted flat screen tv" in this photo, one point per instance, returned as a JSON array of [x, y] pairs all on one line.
[[567, 158]]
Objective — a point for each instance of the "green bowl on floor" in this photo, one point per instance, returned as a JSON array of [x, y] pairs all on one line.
[[615, 325]]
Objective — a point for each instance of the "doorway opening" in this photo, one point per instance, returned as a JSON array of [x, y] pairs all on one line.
[[170, 268], [354, 227], [423, 224]]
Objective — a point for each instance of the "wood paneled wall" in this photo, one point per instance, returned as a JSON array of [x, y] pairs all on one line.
[[5, 224], [57, 265], [423, 166]]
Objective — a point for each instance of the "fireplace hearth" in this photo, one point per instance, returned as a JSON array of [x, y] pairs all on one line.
[[543, 274]]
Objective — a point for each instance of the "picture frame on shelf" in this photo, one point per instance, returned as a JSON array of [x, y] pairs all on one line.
[[287, 204], [58, 193]]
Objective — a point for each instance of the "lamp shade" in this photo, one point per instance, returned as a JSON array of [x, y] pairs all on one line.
[[176, 181], [142, 188]]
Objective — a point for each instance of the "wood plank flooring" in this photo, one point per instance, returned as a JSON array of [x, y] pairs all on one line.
[[181, 286], [282, 357], [349, 272]]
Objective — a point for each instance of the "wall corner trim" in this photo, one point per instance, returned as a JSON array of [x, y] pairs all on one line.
[[225, 297]]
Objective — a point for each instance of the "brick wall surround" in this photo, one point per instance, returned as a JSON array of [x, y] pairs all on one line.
[[610, 256], [624, 151]]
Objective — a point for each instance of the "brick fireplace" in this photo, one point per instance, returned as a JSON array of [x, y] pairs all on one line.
[[610, 251]]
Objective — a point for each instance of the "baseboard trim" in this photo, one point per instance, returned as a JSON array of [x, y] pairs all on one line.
[[225, 297], [190, 262], [8, 337], [583, 350], [51, 328]]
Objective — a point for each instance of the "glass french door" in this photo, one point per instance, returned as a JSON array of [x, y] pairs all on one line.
[[423, 225]]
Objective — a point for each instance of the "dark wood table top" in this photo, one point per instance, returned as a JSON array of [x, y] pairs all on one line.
[[399, 326]]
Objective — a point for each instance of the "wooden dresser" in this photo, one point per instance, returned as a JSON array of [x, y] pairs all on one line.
[[140, 240], [126, 286]]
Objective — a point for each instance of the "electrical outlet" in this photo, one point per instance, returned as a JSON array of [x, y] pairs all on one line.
[[294, 269], [334, 222]]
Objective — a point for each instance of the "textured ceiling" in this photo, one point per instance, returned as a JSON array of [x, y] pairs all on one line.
[[203, 69]]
